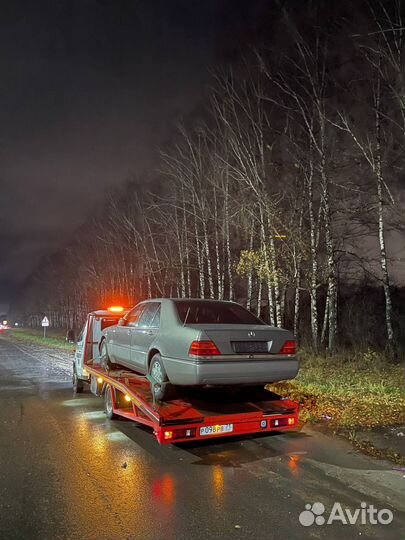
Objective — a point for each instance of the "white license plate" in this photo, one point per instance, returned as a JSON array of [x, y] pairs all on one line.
[[212, 430]]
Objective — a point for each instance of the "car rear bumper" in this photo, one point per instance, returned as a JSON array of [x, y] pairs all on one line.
[[252, 371]]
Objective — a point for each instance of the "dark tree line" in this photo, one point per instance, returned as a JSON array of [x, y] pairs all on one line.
[[282, 194]]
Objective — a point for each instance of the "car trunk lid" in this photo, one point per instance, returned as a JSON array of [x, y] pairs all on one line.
[[245, 340]]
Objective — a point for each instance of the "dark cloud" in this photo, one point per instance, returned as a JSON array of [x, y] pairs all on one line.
[[89, 89]]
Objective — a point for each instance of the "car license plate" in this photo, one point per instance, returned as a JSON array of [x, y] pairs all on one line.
[[212, 430], [250, 347]]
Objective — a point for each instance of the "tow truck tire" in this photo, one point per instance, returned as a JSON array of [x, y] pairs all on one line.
[[108, 403], [78, 385], [158, 373], [105, 358]]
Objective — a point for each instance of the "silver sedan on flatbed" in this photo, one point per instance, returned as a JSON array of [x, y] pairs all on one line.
[[198, 342]]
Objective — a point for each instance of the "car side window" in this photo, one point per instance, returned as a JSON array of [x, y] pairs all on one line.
[[148, 317], [156, 319], [134, 315]]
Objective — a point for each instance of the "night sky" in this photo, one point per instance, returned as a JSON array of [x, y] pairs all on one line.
[[89, 90]]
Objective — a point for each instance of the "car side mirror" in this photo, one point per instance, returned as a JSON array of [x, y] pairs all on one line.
[[122, 322]]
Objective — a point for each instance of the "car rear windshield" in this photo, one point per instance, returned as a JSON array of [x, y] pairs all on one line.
[[210, 312], [105, 323]]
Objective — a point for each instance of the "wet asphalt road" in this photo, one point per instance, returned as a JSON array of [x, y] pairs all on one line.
[[66, 472]]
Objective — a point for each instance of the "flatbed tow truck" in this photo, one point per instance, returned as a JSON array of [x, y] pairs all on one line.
[[196, 414]]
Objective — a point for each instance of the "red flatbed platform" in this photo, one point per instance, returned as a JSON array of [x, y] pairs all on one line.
[[199, 413]]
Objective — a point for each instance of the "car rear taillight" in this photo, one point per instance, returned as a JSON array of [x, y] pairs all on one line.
[[203, 348], [289, 347]]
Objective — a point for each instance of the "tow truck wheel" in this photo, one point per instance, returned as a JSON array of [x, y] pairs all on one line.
[[105, 358], [108, 403], [161, 387], [78, 385]]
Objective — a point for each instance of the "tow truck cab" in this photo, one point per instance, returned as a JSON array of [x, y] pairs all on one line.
[[90, 335]]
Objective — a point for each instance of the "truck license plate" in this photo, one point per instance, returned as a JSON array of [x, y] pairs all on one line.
[[211, 430]]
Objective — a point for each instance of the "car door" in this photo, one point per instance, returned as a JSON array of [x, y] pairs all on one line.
[[79, 352], [122, 336], [144, 334]]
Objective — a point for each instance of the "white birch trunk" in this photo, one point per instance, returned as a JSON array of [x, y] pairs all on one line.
[[228, 242], [208, 257], [250, 274], [381, 231], [259, 296]]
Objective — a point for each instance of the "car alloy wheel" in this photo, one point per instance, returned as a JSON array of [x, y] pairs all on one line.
[[156, 372], [160, 386], [104, 356]]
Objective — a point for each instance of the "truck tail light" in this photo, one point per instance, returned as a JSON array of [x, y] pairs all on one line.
[[179, 434], [283, 422], [289, 347], [203, 348]]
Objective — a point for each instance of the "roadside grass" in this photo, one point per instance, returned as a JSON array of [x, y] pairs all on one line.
[[54, 338], [348, 392]]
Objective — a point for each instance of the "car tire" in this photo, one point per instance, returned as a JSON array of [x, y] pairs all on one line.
[[162, 389], [105, 361], [78, 385], [108, 403]]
